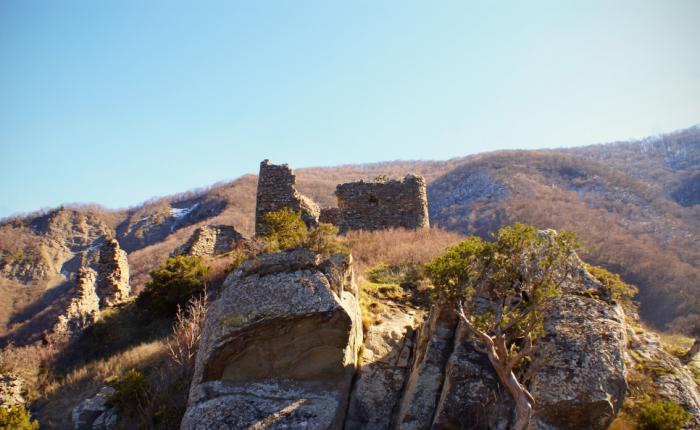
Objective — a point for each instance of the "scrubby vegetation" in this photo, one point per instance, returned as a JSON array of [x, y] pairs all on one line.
[[499, 290], [662, 415], [174, 284], [131, 391], [17, 418], [284, 229], [615, 288]]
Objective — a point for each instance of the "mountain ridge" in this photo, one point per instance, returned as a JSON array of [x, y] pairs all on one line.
[[644, 189]]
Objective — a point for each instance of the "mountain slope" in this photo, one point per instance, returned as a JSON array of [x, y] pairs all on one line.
[[618, 198], [633, 204]]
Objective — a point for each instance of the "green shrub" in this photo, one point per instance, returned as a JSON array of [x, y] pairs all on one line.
[[17, 418], [237, 258], [131, 392], [663, 416], [612, 283], [324, 240], [284, 229], [408, 275], [172, 286]]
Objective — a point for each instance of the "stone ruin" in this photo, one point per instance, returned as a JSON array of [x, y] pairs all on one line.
[[276, 190], [383, 204], [210, 240], [113, 274], [361, 205], [92, 291], [83, 307]]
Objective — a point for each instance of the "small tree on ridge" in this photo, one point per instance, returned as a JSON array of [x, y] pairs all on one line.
[[499, 290]]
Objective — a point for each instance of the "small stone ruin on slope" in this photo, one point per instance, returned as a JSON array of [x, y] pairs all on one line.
[[374, 205], [210, 240]]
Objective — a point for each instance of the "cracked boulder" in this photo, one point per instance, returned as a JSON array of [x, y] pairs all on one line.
[[279, 347]]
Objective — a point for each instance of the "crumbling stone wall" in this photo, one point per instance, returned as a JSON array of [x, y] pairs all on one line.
[[113, 274], [330, 216], [276, 190], [210, 240], [383, 204], [83, 307]]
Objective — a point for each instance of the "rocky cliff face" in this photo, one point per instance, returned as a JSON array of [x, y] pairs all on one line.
[[279, 347], [651, 366], [113, 281], [577, 377], [279, 350]]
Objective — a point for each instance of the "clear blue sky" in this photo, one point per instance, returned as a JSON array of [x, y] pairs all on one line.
[[115, 102]]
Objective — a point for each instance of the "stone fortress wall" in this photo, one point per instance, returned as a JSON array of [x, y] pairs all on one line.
[[210, 240], [373, 205], [383, 204]]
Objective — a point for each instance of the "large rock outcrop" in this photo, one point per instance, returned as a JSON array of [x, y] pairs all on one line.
[[113, 274], [95, 413], [671, 379], [277, 190], [210, 240], [279, 347], [386, 361], [577, 377], [578, 373]]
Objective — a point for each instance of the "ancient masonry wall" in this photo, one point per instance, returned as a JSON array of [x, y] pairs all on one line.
[[380, 205], [276, 190], [113, 274], [210, 240]]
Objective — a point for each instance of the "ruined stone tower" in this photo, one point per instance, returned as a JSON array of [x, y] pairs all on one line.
[[276, 191], [113, 274], [383, 204]]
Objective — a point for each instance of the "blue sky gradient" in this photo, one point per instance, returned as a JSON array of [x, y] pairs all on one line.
[[115, 102]]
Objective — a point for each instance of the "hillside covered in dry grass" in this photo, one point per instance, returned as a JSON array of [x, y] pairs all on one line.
[[634, 205]]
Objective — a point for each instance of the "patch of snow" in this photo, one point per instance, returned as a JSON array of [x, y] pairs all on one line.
[[182, 212]]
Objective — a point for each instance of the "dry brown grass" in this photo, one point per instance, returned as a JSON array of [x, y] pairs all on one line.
[[187, 330], [398, 246], [61, 394]]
